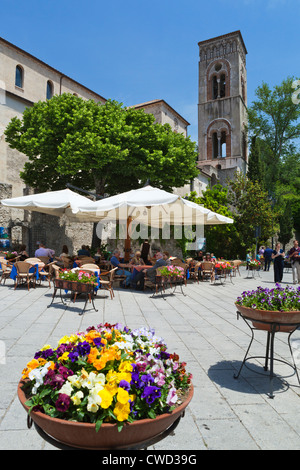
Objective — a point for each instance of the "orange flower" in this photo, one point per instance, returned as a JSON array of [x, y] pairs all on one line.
[[92, 355], [32, 365]]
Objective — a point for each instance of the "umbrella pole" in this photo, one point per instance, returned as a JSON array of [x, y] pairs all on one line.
[[127, 241]]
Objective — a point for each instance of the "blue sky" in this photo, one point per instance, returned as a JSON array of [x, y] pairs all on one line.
[[135, 50]]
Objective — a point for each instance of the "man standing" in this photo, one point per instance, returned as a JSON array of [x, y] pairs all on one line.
[[268, 256], [294, 255]]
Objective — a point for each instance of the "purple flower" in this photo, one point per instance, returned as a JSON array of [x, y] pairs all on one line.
[[98, 342], [44, 354], [63, 402], [147, 379], [64, 372], [150, 393], [124, 384], [53, 379], [83, 348]]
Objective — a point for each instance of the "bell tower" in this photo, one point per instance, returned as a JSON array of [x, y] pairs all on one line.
[[222, 106]]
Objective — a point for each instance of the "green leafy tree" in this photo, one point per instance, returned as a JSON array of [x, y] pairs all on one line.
[[104, 147], [251, 208], [255, 167], [274, 118], [222, 240], [286, 225]]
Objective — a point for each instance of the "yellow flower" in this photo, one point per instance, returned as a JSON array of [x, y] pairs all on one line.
[[64, 357], [125, 366], [106, 398], [64, 339], [45, 347], [122, 411], [124, 376], [122, 396]]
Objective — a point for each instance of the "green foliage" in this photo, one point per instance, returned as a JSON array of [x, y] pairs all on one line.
[[222, 240], [104, 147], [275, 120], [252, 208]]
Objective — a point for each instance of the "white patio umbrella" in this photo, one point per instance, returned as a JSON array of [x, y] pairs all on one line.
[[150, 206], [51, 202], [147, 206]]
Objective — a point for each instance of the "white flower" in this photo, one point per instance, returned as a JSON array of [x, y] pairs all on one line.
[[94, 401], [38, 375], [67, 389], [76, 399]]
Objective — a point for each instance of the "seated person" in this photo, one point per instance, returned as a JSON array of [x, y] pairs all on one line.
[[208, 258], [115, 261], [199, 256], [137, 260], [63, 256], [166, 257], [151, 272], [83, 251], [23, 253], [42, 251]]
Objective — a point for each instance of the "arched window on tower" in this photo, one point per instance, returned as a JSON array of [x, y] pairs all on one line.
[[19, 79], [215, 145], [214, 88], [222, 85], [223, 144]]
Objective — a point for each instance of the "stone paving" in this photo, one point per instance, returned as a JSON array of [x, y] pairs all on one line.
[[201, 326]]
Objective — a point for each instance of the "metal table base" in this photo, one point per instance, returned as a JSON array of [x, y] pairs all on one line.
[[269, 356]]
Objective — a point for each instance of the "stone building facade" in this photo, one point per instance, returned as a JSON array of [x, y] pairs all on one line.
[[222, 106], [24, 80]]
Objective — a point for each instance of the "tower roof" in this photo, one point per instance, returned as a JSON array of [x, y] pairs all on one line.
[[225, 36]]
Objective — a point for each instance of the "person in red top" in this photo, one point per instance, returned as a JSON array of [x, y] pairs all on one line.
[[294, 255]]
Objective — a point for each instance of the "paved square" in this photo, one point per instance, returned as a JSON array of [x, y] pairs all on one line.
[[201, 326]]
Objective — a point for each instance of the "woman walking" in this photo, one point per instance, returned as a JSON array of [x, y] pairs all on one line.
[[278, 259]]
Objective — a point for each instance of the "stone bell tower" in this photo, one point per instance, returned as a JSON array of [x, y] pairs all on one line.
[[222, 102]]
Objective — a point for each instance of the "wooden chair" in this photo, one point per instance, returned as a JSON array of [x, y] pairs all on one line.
[[90, 267], [108, 283], [5, 270], [194, 271], [208, 270], [44, 260], [23, 274], [236, 263], [85, 260]]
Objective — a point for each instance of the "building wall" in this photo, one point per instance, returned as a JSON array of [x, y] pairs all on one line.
[[29, 227]]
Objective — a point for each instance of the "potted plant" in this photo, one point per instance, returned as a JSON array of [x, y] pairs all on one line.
[[107, 387], [174, 273], [254, 264], [75, 280], [280, 305]]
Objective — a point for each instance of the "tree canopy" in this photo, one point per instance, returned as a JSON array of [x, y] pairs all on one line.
[[105, 147]]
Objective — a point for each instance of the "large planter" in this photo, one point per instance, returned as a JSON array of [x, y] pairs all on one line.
[[73, 286], [84, 435], [284, 321]]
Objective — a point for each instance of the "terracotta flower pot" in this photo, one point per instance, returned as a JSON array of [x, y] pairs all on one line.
[[257, 316], [84, 435]]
